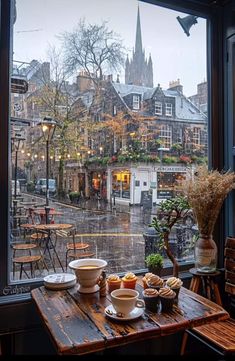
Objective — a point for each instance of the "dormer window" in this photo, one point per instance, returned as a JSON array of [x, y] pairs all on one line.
[[168, 109], [136, 102], [158, 108]]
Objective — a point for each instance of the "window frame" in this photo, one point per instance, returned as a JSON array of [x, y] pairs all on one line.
[[136, 102], [166, 135], [168, 110], [18, 290], [157, 105]]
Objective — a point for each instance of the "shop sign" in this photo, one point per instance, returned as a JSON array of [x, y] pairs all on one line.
[[153, 185], [164, 194], [126, 194], [146, 199], [171, 169], [72, 165]]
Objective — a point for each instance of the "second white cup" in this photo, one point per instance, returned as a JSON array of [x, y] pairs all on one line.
[[124, 300]]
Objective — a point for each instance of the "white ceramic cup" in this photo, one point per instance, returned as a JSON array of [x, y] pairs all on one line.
[[124, 300]]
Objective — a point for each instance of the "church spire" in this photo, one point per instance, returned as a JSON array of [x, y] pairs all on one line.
[[138, 70], [138, 38]]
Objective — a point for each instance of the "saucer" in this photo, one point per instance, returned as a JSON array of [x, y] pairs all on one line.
[[110, 312], [59, 281]]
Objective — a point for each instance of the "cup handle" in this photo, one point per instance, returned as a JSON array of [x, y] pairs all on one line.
[[139, 303]]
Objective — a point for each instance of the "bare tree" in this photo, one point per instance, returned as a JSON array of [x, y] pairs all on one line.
[[94, 49], [53, 98]]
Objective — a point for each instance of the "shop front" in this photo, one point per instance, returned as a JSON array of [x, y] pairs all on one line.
[[99, 184], [168, 179], [121, 183], [128, 184]]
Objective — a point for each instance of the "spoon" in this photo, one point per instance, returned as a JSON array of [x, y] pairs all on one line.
[[118, 314]]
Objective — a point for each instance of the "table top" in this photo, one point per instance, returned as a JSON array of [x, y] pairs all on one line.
[[78, 325], [195, 272], [54, 226]]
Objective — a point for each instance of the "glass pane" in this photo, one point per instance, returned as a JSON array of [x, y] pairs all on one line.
[[107, 117]]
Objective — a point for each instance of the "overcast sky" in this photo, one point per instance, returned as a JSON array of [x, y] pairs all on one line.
[[174, 54]]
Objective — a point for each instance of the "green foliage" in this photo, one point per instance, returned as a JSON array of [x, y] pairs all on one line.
[[30, 186], [154, 260], [73, 196], [177, 147], [170, 211], [169, 159]]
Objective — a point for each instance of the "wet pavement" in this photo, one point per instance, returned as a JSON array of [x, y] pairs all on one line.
[[115, 235]]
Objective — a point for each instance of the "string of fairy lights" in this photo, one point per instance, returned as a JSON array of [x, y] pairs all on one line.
[[31, 155]]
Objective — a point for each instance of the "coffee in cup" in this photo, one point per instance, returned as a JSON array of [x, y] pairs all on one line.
[[124, 300]]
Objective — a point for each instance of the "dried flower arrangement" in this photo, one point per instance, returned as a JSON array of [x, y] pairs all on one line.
[[206, 191]]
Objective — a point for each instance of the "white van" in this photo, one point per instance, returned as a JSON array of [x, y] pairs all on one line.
[[13, 187]]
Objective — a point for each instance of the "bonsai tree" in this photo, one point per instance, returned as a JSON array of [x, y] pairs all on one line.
[[170, 212], [154, 262]]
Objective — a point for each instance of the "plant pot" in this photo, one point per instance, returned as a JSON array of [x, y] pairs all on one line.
[[155, 270]]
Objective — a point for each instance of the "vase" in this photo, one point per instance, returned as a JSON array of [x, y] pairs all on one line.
[[205, 254]]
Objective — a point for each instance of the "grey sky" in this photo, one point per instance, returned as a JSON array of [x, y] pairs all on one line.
[[174, 54]]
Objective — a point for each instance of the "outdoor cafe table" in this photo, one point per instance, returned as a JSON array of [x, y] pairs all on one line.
[[77, 323], [49, 245]]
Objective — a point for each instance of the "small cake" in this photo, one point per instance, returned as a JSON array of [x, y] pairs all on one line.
[[154, 281], [145, 278], [129, 280], [113, 282], [174, 283], [151, 299], [167, 297]]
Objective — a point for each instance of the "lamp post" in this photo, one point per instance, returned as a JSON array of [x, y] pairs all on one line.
[[48, 126], [15, 144], [161, 150]]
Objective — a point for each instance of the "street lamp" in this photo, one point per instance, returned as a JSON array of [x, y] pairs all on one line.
[[15, 142], [48, 126], [15, 145]]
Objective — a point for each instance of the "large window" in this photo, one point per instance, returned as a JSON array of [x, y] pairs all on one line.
[[75, 142], [165, 136]]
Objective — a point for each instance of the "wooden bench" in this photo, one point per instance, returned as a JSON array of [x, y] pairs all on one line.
[[220, 336]]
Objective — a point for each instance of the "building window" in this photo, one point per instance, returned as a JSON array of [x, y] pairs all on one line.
[[136, 102], [158, 108], [165, 136], [121, 182], [168, 110], [196, 136]]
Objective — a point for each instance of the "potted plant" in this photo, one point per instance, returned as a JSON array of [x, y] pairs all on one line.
[[206, 191], [170, 212], [154, 262]]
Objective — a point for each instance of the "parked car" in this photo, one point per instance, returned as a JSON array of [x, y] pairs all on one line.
[[17, 187], [40, 186]]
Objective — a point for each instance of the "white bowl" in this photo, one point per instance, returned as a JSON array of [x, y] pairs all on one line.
[[88, 277]]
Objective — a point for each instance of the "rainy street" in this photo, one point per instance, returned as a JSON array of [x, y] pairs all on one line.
[[114, 235]]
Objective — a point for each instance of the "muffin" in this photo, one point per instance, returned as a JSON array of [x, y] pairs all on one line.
[[113, 282], [145, 278], [129, 280], [167, 297], [174, 283], [155, 281], [151, 299]]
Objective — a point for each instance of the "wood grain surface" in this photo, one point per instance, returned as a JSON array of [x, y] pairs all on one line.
[[78, 325]]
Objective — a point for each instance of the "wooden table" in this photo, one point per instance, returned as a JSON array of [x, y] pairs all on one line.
[[77, 323]]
